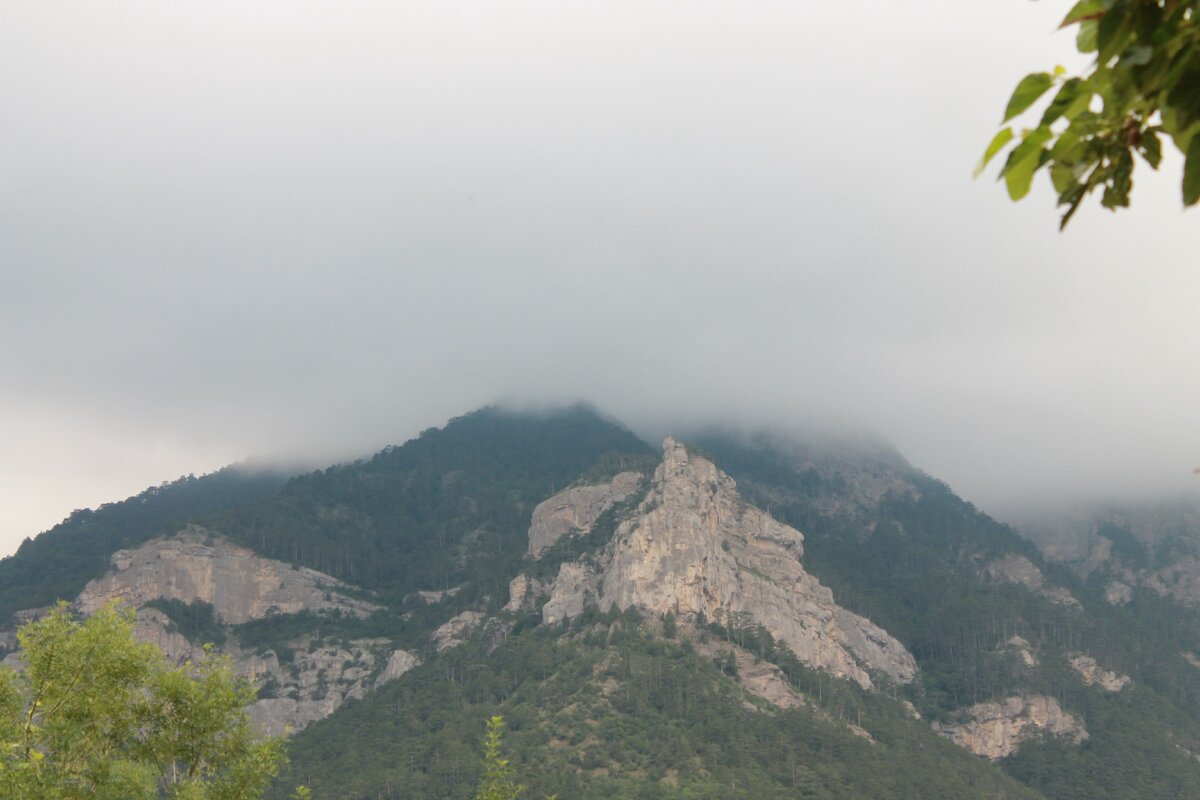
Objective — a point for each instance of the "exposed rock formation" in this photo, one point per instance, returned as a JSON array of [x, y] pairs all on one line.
[[156, 627], [1019, 646], [573, 589], [437, 596], [457, 629], [523, 592], [574, 511], [996, 730], [1094, 675], [197, 566], [317, 681], [1156, 546], [1018, 569], [1118, 593], [761, 678], [399, 662], [693, 546]]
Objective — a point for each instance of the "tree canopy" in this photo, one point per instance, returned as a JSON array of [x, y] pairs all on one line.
[[1143, 87], [94, 713]]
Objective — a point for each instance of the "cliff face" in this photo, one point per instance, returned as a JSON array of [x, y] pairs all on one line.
[[694, 547], [1155, 546], [198, 566], [996, 730], [576, 510], [315, 678]]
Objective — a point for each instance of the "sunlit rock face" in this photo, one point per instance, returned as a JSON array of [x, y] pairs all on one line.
[[694, 547], [523, 592], [457, 629], [575, 510], [1095, 675], [196, 565], [996, 730]]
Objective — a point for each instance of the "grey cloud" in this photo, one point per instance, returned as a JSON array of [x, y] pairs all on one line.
[[310, 230]]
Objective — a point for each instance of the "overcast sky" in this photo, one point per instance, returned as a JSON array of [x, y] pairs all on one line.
[[310, 229]]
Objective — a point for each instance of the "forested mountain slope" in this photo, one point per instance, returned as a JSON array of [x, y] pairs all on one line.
[[60, 561], [957, 587], [624, 612]]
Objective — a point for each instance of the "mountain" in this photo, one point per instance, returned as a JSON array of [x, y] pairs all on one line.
[[739, 616], [1142, 558], [60, 561]]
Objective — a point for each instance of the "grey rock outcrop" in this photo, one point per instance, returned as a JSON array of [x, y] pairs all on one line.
[[1018, 569], [1020, 647], [310, 687], [457, 629], [1152, 545], [761, 678], [573, 589], [523, 592], [198, 566], [1095, 675], [319, 679], [399, 662], [195, 565], [156, 627], [437, 596], [1118, 593], [574, 511], [694, 547], [996, 730]]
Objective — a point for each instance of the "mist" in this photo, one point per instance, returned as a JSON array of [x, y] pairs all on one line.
[[302, 231]]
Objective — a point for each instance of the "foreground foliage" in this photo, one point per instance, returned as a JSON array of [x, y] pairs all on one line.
[[1144, 85], [97, 714]]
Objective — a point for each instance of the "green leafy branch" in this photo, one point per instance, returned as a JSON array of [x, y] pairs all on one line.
[[1143, 85]]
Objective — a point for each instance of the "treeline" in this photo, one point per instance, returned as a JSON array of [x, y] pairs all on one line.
[[604, 709], [449, 508]]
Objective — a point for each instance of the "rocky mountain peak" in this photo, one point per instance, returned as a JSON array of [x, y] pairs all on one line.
[[694, 547]]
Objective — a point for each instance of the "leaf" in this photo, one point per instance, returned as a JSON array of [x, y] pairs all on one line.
[[998, 141], [1138, 56], [1063, 175], [1112, 31], [1030, 88], [1066, 100], [1083, 10], [1072, 199], [1152, 148], [1023, 162], [1191, 173], [1085, 40], [1116, 194]]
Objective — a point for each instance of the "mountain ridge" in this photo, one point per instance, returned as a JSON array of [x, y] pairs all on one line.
[[436, 531]]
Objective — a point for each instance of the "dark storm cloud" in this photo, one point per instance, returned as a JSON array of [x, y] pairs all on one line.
[[310, 229]]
